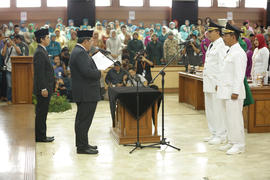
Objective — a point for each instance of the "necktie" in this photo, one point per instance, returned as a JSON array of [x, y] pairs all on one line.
[[228, 51]]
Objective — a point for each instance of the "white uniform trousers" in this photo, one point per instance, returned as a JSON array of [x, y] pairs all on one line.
[[215, 115], [234, 121]]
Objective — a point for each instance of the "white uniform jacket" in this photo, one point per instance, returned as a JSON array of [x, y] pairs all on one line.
[[214, 57], [232, 74], [260, 61]]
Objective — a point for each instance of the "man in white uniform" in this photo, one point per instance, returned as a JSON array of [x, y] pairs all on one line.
[[231, 90], [213, 106]]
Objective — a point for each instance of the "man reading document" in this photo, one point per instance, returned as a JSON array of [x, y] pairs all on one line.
[[85, 90]]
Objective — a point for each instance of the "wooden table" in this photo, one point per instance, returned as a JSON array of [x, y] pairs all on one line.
[[191, 90], [257, 115]]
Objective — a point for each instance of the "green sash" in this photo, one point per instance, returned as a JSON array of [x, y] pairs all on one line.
[[249, 99]]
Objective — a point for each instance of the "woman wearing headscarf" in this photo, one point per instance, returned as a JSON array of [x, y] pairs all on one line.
[[193, 30], [259, 58], [147, 36], [158, 30], [141, 25], [173, 29], [54, 47], [249, 53], [184, 33], [187, 24], [113, 45], [117, 27], [96, 41], [29, 35], [107, 34], [99, 29], [104, 24], [129, 26], [163, 35]]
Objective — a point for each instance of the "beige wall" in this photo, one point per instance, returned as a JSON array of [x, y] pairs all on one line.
[[146, 14]]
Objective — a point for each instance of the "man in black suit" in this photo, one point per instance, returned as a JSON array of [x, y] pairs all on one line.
[[43, 84], [85, 90]]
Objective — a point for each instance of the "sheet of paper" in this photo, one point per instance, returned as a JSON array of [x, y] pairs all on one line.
[[101, 61]]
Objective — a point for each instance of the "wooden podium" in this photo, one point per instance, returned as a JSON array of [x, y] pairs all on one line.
[[22, 79], [125, 130]]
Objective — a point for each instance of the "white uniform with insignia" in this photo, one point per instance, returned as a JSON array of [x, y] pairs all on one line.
[[213, 107], [231, 81]]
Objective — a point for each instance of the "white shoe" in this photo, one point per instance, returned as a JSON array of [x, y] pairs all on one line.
[[216, 140], [206, 139], [225, 147], [236, 149]]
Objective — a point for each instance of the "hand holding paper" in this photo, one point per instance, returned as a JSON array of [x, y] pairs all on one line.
[[101, 61]]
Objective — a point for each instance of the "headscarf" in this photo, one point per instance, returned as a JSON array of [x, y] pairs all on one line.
[[184, 34], [146, 32], [53, 35], [242, 44], [134, 27], [166, 30], [32, 25], [170, 25], [141, 28], [261, 40], [103, 22], [113, 30], [195, 32], [160, 31]]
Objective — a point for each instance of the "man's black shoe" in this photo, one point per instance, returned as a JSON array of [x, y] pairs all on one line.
[[87, 151], [92, 147], [46, 139]]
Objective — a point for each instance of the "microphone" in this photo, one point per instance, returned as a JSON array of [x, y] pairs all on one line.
[[138, 79], [103, 50]]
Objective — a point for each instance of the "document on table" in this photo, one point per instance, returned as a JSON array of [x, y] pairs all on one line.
[[101, 61]]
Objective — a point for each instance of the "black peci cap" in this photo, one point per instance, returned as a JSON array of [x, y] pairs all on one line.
[[213, 26], [41, 33], [85, 33], [231, 29]]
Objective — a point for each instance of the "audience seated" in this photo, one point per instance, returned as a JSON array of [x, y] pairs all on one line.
[[125, 41]]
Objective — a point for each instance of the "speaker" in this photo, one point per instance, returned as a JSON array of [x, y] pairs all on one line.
[[185, 10], [80, 9], [268, 13]]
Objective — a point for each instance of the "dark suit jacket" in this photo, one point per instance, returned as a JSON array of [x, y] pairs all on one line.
[[85, 76], [43, 72]]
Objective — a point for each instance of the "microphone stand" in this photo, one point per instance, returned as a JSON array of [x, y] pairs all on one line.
[[163, 139], [137, 144]]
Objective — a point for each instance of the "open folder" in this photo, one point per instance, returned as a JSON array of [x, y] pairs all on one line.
[[101, 61]]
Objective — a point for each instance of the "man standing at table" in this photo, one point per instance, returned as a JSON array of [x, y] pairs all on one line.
[[213, 109], [44, 83], [85, 90], [231, 90]]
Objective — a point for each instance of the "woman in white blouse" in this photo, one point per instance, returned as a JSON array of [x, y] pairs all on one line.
[[259, 58], [113, 44]]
